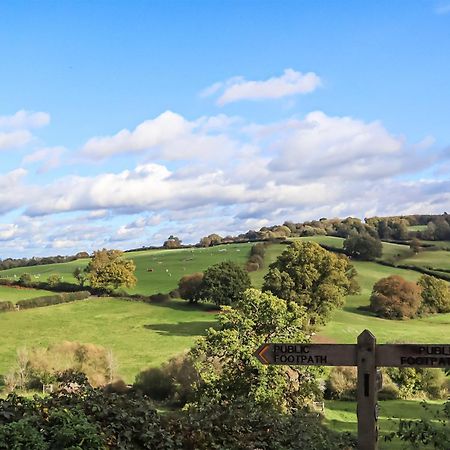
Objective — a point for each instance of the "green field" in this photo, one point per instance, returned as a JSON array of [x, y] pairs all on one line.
[[417, 228], [41, 273], [341, 416], [14, 294], [140, 335], [167, 266], [439, 259]]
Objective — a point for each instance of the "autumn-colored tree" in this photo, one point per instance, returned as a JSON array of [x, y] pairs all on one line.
[[189, 286], [172, 242], [311, 276], [108, 270], [435, 295], [395, 298], [212, 239]]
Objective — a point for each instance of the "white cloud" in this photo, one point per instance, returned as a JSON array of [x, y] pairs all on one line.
[[169, 136], [49, 157], [25, 119], [14, 139], [289, 83]]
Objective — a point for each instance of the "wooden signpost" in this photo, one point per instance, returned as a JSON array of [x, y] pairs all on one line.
[[367, 356]]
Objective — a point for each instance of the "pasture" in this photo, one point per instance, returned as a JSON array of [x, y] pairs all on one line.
[[140, 335], [14, 293], [438, 259]]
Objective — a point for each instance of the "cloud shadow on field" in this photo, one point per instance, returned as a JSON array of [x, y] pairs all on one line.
[[197, 328]]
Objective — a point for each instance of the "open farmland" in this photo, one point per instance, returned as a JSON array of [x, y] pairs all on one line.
[[439, 259], [14, 293], [140, 335]]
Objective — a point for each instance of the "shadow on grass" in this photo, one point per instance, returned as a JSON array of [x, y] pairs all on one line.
[[181, 329], [186, 306]]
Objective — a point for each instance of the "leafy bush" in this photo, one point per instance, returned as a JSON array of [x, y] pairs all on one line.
[[341, 383], [173, 382], [25, 279], [419, 383], [54, 279], [39, 366], [435, 295], [189, 286], [395, 298], [6, 306], [159, 298]]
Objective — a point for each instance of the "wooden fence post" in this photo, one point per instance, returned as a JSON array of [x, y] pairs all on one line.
[[367, 392]]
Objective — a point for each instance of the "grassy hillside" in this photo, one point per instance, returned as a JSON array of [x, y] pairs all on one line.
[[439, 259], [140, 335], [13, 294]]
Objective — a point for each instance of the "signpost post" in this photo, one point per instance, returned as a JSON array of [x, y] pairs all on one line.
[[367, 356]]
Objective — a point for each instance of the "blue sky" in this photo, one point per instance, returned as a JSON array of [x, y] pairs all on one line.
[[109, 139]]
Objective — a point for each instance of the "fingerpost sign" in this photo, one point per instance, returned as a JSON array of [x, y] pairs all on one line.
[[367, 356]]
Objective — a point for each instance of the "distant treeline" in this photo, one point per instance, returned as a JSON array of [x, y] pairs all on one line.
[[11, 263]]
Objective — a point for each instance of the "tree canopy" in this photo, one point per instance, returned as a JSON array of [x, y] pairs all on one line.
[[311, 276], [363, 246], [223, 283], [228, 369], [108, 270], [435, 295]]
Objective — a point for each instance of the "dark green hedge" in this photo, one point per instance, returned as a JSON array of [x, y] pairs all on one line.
[[55, 299], [6, 306]]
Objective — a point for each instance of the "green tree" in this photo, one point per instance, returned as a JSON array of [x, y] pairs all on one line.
[[311, 276], [54, 279], [107, 270], [435, 295], [414, 245], [80, 275], [363, 246], [226, 363], [223, 283]]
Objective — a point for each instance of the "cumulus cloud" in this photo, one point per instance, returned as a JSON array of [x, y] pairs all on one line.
[[169, 136], [25, 120], [289, 83], [13, 139]]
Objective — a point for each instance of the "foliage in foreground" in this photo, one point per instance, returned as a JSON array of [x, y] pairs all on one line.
[[228, 369], [426, 432], [92, 419]]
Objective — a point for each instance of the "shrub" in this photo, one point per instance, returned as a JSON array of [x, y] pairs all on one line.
[[189, 286], [6, 306], [173, 382], [395, 298], [252, 267], [435, 295], [420, 382], [154, 383], [159, 298], [341, 384], [54, 279], [25, 279]]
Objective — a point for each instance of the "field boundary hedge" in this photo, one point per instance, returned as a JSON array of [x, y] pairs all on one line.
[[49, 300]]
